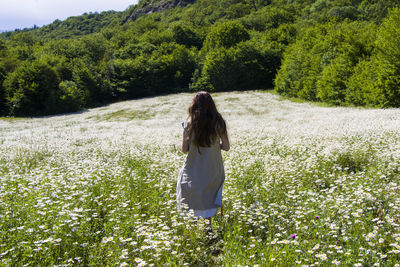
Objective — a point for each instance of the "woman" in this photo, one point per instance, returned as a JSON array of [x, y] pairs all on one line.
[[200, 181]]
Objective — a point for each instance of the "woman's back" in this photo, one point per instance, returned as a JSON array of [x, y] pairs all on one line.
[[200, 180], [203, 175]]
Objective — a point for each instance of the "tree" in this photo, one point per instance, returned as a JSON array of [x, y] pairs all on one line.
[[31, 89], [331, 87], [376, 10], [72, 98], [220, 70], [94, 47], [343, 12], [388, 59], [226, 35], [3, 103], [270, 17], [22, 45], [89, 81], [320, 63], [360, 86], [257, 4], [247, 65], [186, 36]]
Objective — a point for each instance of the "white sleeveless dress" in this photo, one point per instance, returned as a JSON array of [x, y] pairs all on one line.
[[200, 180]]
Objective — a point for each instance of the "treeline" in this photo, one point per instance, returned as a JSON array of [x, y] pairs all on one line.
[[345, 63], [75, 26], [341, 52]]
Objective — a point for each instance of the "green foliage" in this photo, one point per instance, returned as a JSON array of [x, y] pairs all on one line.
[[340, 52], [94, 47], [185, 35], [166, 68], [3, 103], [354, 161], [134, 50], [84, 24], [22, 46], [268, 18], [220, 70], [237, 10], [297, 75], [90, 82], [376, 9], [2, 47], [319, 65], [226, 35], [375, 81], [360, 85], [388, 59], [71, 97], [331, 87], [247, 65], [31, 89]]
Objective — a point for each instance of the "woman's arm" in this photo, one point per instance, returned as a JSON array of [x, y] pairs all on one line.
[[185, 142], [225, 142]]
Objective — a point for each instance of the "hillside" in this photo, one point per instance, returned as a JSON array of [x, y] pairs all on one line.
[[75, 26], [147, 7], [89, 23], [98, 187], [339, 52]]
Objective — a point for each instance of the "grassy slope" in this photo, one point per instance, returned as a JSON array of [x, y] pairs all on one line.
[[98, 187]]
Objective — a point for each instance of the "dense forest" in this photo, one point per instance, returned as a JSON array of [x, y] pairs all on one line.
[[343, 52]]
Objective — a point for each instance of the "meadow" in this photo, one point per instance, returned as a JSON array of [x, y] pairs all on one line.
[[306, 185]]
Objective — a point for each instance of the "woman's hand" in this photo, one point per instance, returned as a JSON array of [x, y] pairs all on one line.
[[185, 142], [224, 145]]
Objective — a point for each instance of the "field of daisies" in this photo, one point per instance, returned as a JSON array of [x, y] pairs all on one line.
[[305, 185]]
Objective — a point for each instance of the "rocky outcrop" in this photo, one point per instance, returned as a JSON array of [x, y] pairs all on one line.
[[155, 6]]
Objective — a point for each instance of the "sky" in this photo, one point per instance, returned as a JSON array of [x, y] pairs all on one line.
[[19, 14]]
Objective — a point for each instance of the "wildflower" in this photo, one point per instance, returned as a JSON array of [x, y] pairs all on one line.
[[321, 256]]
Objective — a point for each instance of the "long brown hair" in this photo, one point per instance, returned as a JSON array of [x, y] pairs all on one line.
[[206, 123]]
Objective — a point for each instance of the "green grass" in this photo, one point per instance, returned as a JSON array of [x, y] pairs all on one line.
[[231, 99], [129, 115], [124, 115], [10, 119]]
